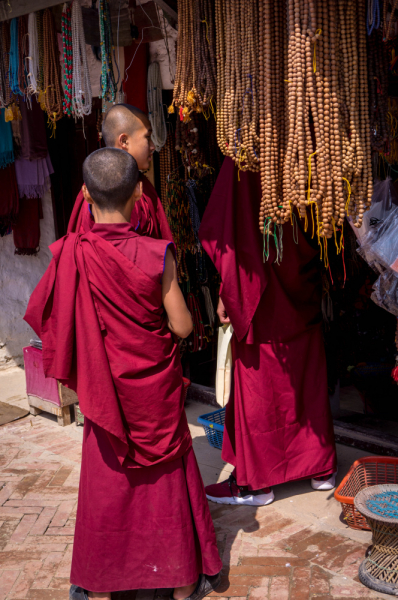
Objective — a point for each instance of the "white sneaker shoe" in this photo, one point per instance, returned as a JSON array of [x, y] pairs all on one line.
[[324, 485]]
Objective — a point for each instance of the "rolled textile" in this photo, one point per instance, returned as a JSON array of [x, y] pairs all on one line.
[[26, 229], [6, 144], [33, 131], [9, 198]]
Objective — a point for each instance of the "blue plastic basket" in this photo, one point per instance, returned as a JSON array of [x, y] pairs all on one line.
[[213, 424]]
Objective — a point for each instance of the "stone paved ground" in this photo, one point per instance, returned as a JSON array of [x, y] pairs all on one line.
[[268, 553]]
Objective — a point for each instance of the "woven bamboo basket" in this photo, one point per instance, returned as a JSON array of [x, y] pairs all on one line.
[[365, 472], [379, 505]]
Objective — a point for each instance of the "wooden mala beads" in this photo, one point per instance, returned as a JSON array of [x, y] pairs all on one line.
[[51, 70], [195, 80], [238, 57]]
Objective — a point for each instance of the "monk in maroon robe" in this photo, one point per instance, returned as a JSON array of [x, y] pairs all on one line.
[[128, 128], [278, 423], [107, 310]]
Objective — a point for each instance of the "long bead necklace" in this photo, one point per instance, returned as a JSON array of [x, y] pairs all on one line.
[[81, 85], [5, 91], [13, 70], [108, 84], [67, 55], [197, 340], [51, 71], [155, 106], [33, 58], [23, 54], [39, 23]]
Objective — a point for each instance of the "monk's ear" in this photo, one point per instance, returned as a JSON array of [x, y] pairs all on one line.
[[138, 191], [122, 141], [86, 194]]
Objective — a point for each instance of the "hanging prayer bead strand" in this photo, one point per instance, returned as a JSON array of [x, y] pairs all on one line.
[[155, 106], [81, 84], [6, 94], [108, 83], [33, 58], [51, 70], [66, 25]]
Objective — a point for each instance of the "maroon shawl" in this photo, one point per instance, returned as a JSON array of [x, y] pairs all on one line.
[[105, 335], [266, 302]]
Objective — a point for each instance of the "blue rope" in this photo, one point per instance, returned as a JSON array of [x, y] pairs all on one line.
[[384, 504], [375, 17], [13, 68]]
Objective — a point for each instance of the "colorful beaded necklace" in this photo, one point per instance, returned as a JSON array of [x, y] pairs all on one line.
[[67, 54], [108, 83]]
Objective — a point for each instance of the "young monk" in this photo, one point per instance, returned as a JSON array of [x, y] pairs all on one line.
[[107, 310], [128, 128]]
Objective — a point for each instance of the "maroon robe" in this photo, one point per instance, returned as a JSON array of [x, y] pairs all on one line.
[[148, 217], [278, 423], [143, 519]]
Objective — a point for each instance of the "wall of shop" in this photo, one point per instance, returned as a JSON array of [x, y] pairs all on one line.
[[18, 277]]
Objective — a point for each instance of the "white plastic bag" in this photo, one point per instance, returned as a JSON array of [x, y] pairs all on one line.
[[224, 364]]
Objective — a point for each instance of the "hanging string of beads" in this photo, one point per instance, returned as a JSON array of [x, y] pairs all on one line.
[[5, 90], [195, 79], [238, 60], [33, 58], [14, 58], [108, 83], [204, 53], [197, 339], [66, 25], [23, 53], [155, 106], [378, 92], [81, 84], [52, 71], [168, 160], [39, 22], [388, 18], [314, 117]]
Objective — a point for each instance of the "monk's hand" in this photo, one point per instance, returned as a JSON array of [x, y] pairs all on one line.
[[222, 313]]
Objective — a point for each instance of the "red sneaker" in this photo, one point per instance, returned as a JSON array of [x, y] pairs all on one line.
[[228, 492]]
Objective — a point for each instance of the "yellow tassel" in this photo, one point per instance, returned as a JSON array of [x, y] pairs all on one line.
[[8, 114], [171, 110]]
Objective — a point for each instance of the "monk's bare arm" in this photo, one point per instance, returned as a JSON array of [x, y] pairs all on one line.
[[180, 320]]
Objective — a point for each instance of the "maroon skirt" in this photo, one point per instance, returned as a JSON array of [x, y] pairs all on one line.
[[142, 528], [278, 421]]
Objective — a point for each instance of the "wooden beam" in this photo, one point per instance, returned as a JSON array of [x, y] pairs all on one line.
[[23, 7]]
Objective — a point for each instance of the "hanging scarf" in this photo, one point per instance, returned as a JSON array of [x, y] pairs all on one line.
[[33, 176], [8, 198], [33, 131], [26, 230], [13, 70], [6, 145]]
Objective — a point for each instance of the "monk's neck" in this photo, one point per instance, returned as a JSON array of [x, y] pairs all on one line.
[[110, 218]]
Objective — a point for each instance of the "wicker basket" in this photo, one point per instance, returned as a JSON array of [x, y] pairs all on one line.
[[379, 505], [371, 470]]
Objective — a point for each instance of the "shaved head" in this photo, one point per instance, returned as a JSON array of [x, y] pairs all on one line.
[[128, 128], [122, 118]]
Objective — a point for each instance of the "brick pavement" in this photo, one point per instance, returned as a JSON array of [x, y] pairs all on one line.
[[266, 554]]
